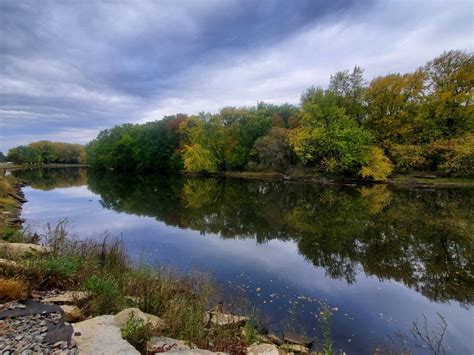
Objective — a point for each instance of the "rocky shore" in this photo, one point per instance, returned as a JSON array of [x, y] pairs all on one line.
[[49, 324]]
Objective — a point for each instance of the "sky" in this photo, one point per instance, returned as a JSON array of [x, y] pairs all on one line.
[[69, 69]]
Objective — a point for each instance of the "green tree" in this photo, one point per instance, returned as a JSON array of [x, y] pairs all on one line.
[[273, 151], [450, 86], [349, 89], [327, 138], [393, 108]]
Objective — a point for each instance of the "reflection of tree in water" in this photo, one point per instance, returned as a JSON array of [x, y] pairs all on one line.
[[52, 178], [418, 237]]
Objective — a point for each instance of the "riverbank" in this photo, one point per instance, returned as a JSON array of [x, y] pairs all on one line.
[[410, 180], [11, 200], [10, 166], [111, 302]]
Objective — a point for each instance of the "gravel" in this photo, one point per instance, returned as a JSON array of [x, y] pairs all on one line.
[[32, 334]]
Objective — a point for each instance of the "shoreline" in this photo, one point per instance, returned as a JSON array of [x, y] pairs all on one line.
[[413, 180], [409, 180]]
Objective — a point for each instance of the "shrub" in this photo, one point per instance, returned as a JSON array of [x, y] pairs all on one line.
[[11, 234], [408, 157], [378, 166], [59, 271], [454, 157], [137, 333], [12, 289], [106, 295]]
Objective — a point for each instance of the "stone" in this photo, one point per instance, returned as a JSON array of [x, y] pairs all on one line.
[[164, 344], [121, 318], [71, 313], [10, 263], [274, 339], [68, 297], [22, 249], [100, 336], [263, 349], [297, 339], [194, 352], [295, 348], [225, 319]]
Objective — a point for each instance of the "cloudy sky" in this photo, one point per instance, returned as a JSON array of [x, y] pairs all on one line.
[[71, 68]]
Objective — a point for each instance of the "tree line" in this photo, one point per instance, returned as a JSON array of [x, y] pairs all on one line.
[[46, 152], [396, 123]]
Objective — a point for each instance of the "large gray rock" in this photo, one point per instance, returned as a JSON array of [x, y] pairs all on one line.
[[121, 318], [100, 336], [263, 349]]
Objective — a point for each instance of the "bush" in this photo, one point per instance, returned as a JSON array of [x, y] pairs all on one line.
[[454, 157], [12, 289], [378, 167], [106, 295], [137, 333], [408, 157]]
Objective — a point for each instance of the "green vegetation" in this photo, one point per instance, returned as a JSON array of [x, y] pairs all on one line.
[[325, 320], [421, 121], [46, 152], [10, 203], [137, 333], [112, 284]]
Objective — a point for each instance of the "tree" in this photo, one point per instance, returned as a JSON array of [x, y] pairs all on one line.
[[199, 159], [378, 166], [327, 138], [393, 108], [450, 86], [273, 150], [349, 89]]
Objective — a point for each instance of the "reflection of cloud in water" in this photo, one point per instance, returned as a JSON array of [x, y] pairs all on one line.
[[314, 244]]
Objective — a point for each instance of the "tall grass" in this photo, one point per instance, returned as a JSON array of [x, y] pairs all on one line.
[[102, 269]]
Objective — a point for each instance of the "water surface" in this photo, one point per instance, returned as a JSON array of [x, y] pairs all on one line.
[[380, 257]]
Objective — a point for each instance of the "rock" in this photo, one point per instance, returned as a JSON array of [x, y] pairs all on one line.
[[263, 349], [5, 262], [22, 249], [224, 319], [100, 336], [297, 339], [163, 344], [194, 352], [71, 313], [122, 317], [295, 348], [69, 297], [274, 339]]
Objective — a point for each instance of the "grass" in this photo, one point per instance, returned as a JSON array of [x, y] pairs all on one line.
[[104, 271], [137, 333], [12, 289]]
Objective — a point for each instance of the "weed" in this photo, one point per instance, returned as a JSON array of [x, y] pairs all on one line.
[[325, 319], [137, 333], [106, 295], [251, 332]]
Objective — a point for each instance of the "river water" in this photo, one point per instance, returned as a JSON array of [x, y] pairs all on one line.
[[379, 257]]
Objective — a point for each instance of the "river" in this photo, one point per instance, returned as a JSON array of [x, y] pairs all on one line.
[[379, 257]]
